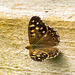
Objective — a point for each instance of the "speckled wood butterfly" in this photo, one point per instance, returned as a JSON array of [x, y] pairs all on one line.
[[42, 39]]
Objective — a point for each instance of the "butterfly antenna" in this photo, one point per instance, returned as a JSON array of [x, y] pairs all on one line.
[[23, 43], [20, 52]]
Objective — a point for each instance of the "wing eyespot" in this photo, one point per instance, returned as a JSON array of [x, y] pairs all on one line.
[[52, 34], [54, 38]]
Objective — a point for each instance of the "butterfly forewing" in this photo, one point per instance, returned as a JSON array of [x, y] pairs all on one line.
[[42, 40], [36, 29], [49, 39]]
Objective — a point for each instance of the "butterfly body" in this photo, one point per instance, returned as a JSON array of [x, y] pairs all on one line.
[[42, 39]]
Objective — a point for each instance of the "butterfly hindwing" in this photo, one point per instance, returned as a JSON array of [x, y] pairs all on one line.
[[38, 55], [52, 52], [41, 54]]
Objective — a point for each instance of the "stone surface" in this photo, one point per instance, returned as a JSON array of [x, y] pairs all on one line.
[[53, 9], [14, 58]]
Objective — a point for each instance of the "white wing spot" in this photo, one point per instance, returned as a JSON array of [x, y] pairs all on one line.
[[32, 25], [37, 23], [43, 32], [32, 20], [44, 54], [32, 30], [45, 35], [38, 58], [37, 28], [41, 28], [38, 55], [33, 56], [33, 53], [33, 34]]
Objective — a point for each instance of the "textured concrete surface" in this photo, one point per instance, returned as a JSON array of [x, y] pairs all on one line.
[[56, 9], [14, 38]]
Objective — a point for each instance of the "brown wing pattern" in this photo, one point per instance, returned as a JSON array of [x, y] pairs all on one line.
[[40, 55], [36, 29], [42, 40], [51, 38]]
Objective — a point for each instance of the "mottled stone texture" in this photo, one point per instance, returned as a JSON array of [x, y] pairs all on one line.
[[14, 38], [14, 20]]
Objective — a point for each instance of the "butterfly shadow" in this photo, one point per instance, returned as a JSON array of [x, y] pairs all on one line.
[[60, 61]]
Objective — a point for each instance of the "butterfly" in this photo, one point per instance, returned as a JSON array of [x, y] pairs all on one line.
[[42, 39]]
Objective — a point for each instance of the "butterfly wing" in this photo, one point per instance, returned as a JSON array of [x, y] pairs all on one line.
[[41, 54], [41, 34], [42, 40], [35, 28], [38, 55], [51, 38]]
